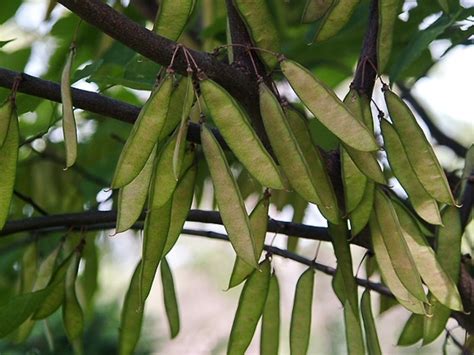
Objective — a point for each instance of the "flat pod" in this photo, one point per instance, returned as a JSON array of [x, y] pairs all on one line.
[[353, 180], [257, 17], [388, 14], [73, 317], [144, 135], [251, 305], [5, 116], [132, 197], [320, 178], [180, 206], [258, 224], [424, 205], [169, 297], [354, 336], [327, 107], [419, 151], [315, 9], [336, 18], [432, 273], [155, 232], [398, 251], [175, 113], [412, 331], [234, 125], [8, 163], [371, 337], [361, 215], [285, 146], [300, 326], [131, 317], [387, 271], [172, 17], [230, 202], [270, 334], [69, 122]]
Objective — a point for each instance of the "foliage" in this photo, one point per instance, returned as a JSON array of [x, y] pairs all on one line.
[[227, 116]]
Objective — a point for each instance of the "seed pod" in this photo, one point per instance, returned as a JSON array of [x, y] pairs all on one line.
[[424, 205], [320, 178], [5, 117], [73, 318], [178, 154], [336, 18], [144, 135], [354, 336], [327, 107], [371, 337], [258, 224], [132, 316], [353, 180], [261, 26], [300, 326], [251, 304], [229, 199], [270, 334], [360, 216], [132, 197], [169, 297], [419, 151], [315, 9], [412, 331], [180, 206], [388, 12], [8, 162], [448, 240], [69, 122], [389, 276], [432, 273], [172, 17], [285, 146], [234, 125], [174, 115]]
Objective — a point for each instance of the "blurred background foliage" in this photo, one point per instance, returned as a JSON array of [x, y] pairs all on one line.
[[38, 46]]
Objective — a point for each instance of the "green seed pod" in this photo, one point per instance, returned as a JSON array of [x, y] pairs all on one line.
[[172, 17], [371, 337], [270, 334], [388, 13], [169, 296], [5, 117], [315, 9], [336, 18], [73, 317]]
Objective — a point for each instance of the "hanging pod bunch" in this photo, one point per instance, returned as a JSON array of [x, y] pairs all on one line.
[[258, 224], [172, 17], [10, 136], [335, 18], [418, 150], [69, 121], [144, 135], [261, 27], [251, 305], [300, 325], [315, 9], [388, 14], [290, 154], [327, 107], [423, 203], [229, 199], [234, 125]]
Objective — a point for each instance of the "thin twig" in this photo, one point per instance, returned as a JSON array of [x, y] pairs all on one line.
[[31, 202]]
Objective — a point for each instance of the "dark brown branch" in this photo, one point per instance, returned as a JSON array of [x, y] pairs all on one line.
[[366, 73], [160, 49], [94, 220], [440, 137], [377, 287], [86, 100]]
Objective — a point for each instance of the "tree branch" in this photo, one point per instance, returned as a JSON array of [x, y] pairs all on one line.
[[440, 137], [96, 220], [160, 49], [86, 100], [366, 72], [377, 287]]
